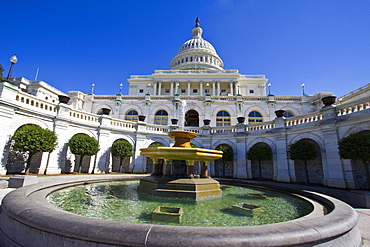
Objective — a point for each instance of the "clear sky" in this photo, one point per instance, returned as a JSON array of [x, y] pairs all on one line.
[[74, 43]]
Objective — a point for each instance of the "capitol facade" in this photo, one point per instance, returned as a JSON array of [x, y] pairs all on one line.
[[223, 106]]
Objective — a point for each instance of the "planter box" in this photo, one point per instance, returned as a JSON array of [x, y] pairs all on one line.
[[245, 209], [167, 214]]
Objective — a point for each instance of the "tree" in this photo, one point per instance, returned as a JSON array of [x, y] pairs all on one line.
[[33, 139], [303, 150], [227, 155], [122, 149], [1, 72], [260, 153], [83, 145], [356, 147], [156, 144]]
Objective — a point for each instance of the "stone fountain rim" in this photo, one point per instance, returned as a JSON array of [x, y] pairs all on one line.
[[26, 208]]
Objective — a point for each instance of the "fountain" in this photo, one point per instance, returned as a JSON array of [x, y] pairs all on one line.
[[38, 223], [173, 173]]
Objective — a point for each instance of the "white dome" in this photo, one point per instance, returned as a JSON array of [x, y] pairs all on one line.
[[197, 53]]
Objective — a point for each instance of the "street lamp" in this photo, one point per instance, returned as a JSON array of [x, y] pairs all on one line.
[[269, 85], [303, 88], [120, 88], [13, 60], [92, 88]]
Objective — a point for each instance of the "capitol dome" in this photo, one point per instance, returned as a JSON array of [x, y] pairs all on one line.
[[197, 54]]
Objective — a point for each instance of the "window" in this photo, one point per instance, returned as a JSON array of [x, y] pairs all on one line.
[[223, 118], [141, 90], [288, 114], [183, 90], [195, 90], [254, 117], [167, 91], [251, 91], [161, 117], [131, 115], [206, 91]]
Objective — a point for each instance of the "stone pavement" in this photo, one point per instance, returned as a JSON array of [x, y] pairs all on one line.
[[363, 213]]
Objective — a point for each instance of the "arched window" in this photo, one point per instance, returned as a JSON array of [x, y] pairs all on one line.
[[131, 115], [192, 118], [223, 118], [161, 117], [254, 117], [288, 114]]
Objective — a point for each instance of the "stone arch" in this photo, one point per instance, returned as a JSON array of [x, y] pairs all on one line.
[[116, 160], [262, 169], [16, 162], [224, 168], [315, 167], [125, 109], [70, 159], [97, 108], [358, 167], [259, 109], [230, 110], [192, 118], [154, 110]]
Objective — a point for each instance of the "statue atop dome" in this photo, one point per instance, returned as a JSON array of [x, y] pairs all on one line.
[[197, 22]]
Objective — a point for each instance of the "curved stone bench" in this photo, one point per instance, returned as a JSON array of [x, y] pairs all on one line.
[[28, 220]]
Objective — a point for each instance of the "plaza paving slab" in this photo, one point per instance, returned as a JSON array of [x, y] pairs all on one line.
[[363, 213]]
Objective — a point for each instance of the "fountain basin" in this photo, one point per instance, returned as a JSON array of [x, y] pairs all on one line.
[[39, 224], [179, 153], [167, 214]]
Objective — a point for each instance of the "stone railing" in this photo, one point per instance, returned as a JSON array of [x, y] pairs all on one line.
[[84, 116], [223, 130], [351, 107], [123, 124], [157, 128], [260, 126], [308, 118], [31, 102]]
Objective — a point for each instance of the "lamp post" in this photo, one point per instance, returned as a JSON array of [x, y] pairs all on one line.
[[269, 85], [303, 88], [120, 88], [92, 88], [13, 60]]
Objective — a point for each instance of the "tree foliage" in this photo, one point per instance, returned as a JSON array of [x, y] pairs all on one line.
[[356, 147], [83, 145], [34, 139], [228, 153], [156, 144], [302, 150], [259, 153], [122, 148]]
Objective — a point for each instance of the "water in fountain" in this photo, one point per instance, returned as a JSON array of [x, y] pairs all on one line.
[[183, 112]]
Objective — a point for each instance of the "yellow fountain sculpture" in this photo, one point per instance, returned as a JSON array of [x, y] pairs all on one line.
[[173, 173]]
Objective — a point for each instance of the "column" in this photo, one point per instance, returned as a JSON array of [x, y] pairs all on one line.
[[213, 88], [155, 84], [188, 87], [171, 89], [204, 169], [159, 88], [201, 88], [281, 159], [218, 88], [231, 88], [241, 160]]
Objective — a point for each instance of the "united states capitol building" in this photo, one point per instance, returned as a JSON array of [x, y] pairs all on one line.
[[223, 106]]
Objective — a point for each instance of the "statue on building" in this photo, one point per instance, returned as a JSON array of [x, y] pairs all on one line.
[[197, 22]]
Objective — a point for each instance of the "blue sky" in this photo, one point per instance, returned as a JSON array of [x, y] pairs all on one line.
[[74, 43]]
